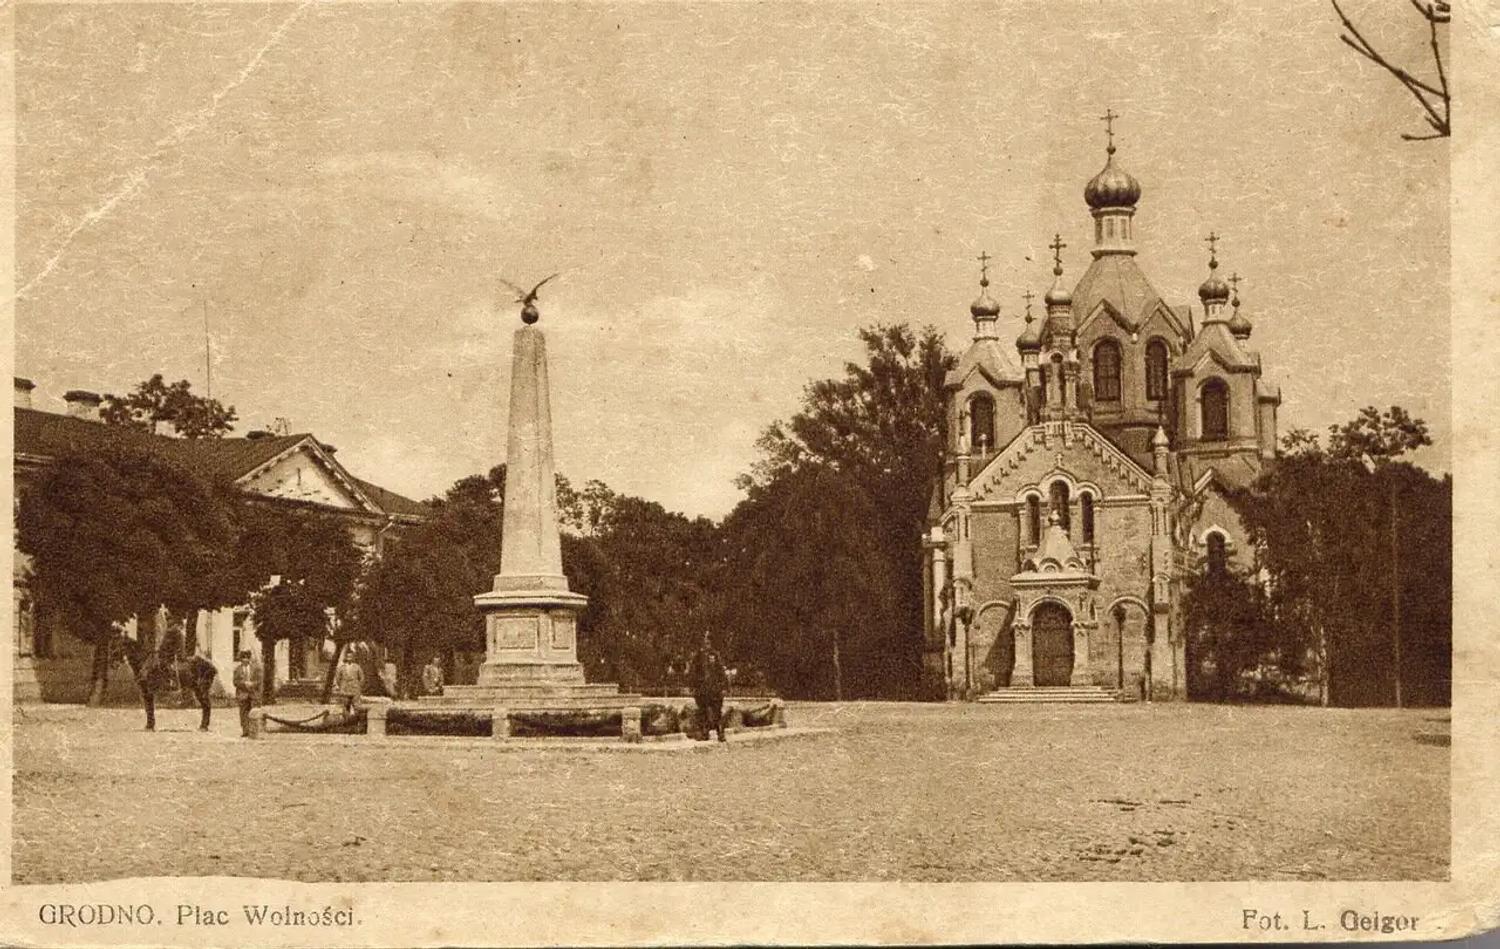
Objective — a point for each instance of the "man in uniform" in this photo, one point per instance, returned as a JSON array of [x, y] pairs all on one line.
[[432, 677], [247, 685], [349, 683], [709, 680]]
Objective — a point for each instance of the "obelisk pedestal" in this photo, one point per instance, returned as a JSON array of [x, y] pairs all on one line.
[[530, 616]]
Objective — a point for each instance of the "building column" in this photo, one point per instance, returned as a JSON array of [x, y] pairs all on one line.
[[1080, 674], [939, 580], [1023, 675], [1164, 667]]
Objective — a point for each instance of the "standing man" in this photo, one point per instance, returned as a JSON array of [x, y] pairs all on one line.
[[709, 680], [349, 684], [432, 677], [247, 682]]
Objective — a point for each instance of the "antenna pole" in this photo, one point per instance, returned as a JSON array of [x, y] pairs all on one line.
[[208, 360]]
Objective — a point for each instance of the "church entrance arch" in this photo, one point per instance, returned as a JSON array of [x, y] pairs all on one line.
[[1052, 644]]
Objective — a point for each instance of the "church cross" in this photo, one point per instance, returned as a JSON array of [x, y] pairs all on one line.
[[1108, 118], [1028, 296], [1057, 246], [1235, 279], [984, 267], [1212, 240]]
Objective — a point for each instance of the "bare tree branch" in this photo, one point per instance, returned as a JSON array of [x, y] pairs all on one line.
[[1435, 13], [1437, 57], [1415, 86]]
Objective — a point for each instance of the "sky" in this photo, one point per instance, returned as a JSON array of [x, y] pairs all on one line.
[[729, 191]]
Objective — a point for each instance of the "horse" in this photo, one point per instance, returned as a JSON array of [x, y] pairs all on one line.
[[155, 673]]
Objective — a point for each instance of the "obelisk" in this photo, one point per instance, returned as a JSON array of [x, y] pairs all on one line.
[[530, 617]]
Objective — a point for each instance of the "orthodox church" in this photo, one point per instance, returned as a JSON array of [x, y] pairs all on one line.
[[1085, 473]]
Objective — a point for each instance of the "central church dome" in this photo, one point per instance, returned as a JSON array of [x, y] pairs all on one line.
[[1112, 187]]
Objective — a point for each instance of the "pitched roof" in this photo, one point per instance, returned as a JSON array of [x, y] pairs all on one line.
[[990, 358], [391, 502], [47, 435], [1215, 339], [1118, 280]]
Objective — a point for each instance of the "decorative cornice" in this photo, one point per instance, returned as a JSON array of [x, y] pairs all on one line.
[[1037, 437]]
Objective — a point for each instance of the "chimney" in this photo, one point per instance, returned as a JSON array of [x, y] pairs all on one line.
[[23, 392], [257, 435], [83, 404]]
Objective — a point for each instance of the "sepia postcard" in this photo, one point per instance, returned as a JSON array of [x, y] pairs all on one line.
[[717, 473]]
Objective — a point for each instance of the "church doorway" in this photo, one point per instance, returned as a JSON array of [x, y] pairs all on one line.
[[1052, 645]]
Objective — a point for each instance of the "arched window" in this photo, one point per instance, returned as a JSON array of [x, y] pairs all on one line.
[[1156, 370], [1041, 376], [1034, 519], [982, 423], [1215, 410], [1218, 557], [1107, 371], [1059, 498], [1086, 505]]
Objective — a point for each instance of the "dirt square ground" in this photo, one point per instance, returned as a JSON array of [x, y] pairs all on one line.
[[897, 792]]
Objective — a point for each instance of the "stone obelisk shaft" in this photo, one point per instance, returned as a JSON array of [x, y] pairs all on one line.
[[530, 553], [530, 621]]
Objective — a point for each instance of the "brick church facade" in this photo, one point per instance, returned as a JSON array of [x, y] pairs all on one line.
[[1085, 473]]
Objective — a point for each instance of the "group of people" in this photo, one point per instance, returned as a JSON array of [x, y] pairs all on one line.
[[348, 683], [707, 676]]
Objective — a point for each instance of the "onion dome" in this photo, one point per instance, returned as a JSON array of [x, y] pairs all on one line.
[[1214, 289], [1031, 336], [984, 307], [1059, 295], [1112, 187], [1239, 326]]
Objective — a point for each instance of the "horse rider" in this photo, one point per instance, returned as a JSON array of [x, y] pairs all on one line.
[[709, 680], [247, 686]]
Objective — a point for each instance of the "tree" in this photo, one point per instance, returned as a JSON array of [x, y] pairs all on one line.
[[643, 568], [1345, 536], [1375, 440], [1232, 633], [303, 567], [811, 597], [119, 533], [419, 597], [154, 403], [286, 611], [880, 430], [1433, 98]]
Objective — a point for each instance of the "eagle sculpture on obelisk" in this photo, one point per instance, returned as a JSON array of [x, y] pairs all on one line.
[[530, 616]]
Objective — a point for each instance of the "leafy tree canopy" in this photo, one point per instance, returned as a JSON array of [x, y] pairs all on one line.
[[116, 533], [878, 431], [155, 402], [1353, 545]]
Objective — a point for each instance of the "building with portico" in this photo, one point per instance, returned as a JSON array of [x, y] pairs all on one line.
[[296, 470]]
